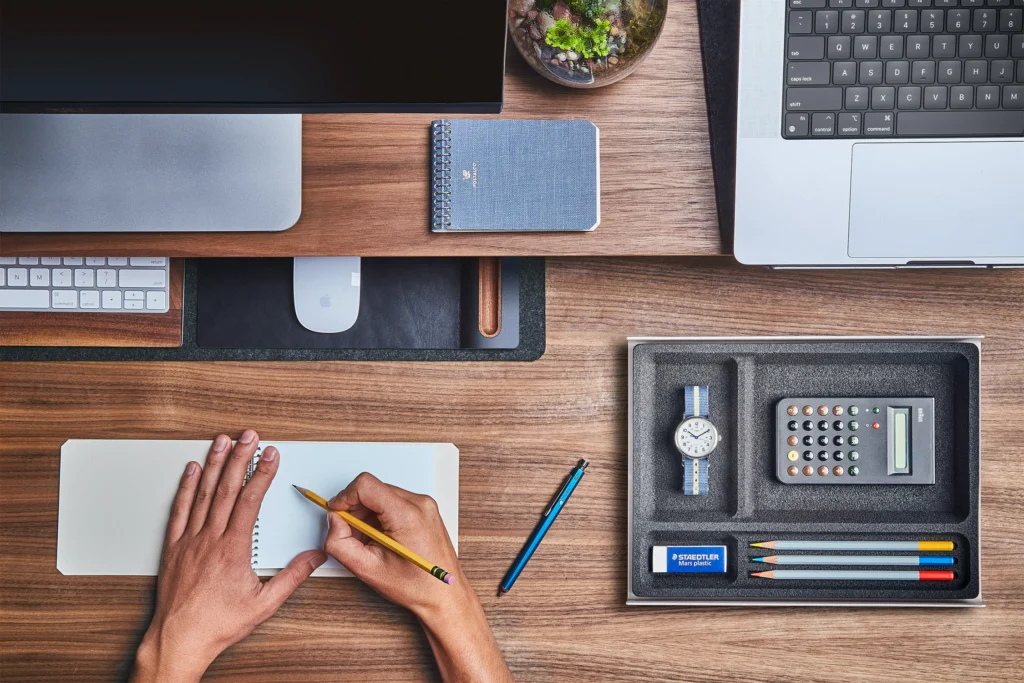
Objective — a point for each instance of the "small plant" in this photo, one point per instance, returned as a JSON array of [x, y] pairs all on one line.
[[591, 9], [587, 41], [545, 4]]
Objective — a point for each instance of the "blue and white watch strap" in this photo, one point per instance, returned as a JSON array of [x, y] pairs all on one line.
[[695, 401], [695, 472], [695, 477]]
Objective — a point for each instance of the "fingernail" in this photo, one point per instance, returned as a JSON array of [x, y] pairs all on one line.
[[190, 469], [247, 436], [269, 455], [221, 443]]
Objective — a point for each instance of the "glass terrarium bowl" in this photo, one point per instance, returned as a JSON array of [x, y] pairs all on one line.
[[585, 43]]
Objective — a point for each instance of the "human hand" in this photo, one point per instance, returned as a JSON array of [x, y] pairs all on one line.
[[451, 615], [208, 596]]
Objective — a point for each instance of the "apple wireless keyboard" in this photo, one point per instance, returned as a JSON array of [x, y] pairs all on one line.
[[93, 284]]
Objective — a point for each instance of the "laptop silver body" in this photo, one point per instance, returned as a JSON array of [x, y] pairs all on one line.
[[863, 202], [150, 172]]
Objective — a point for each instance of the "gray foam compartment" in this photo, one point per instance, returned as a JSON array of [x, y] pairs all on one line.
[[745, 501]]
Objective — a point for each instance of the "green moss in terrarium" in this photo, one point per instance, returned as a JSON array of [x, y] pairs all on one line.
[[644, 23], [565, 35], [596, 38], [586, 40], [591, 9]]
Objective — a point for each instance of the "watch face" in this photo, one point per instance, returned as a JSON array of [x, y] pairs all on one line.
[[696, 437]]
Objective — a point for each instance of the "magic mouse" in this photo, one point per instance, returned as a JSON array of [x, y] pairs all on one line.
[[326, 292]]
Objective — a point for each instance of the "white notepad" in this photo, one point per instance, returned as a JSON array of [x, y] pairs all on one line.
[[115, 498]]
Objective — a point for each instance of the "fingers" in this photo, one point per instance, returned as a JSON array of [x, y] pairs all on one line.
[[247, 508], [208, 483], [389, 502], [355, 555], [231, 480], [182, 505], [277, 590]]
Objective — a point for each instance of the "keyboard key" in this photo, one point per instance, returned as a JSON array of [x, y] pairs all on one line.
[[997, 45], [853, 21], [935, 97], [95, 261], [870, 73], [2, 277], [839, 47], [50, 261], [950, 72], [844, 73], [156, 300], [1017, 45], [909, 97], [797, 125], [857, 98], [984, 20], [8, 261], [897, 73], [826, 21], [906, 21], [158, 278], [849, 124], [961, 97], [24, 298], [1020, 71], [880, 21], [962, 123], [151, 261], [1013, 96], [61, 277], [117, 261], [808, 73], [891, 47], [894, 3], [1010, 20], [90, 298], [134, 304], [112, 299], [73, 261], [28, 261], [84, 277], [970, 48], [17, 277], [840, 3], [39, 277], [868, 3], [883, 98], [879, 125], [933, 21], [134, 296], [958, 20], [801, 22], [923, 73], [106, 277], [65, 298], [1002, 71], [976, 71], [865, 47], [823, 125], [806, 4], [988, 97], [918, 47]]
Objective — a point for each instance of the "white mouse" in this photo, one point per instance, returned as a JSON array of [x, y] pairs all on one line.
[[326, 291]]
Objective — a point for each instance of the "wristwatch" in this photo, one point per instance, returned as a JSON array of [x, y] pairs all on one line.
[[696, 438]]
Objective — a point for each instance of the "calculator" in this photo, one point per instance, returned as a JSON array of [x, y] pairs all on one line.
[[853, 440]]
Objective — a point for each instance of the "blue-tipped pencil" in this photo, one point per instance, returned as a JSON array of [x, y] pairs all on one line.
[[855, 560]]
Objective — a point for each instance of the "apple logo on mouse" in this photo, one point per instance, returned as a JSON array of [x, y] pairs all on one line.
[[326, 292], [325, 301]]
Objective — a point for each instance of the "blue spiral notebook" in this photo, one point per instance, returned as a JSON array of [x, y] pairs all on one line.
[[515, 176]]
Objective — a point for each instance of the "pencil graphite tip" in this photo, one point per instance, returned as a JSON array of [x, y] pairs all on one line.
[[299, 489]]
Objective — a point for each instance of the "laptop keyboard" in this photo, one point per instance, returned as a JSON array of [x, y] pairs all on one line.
[[904, 68]]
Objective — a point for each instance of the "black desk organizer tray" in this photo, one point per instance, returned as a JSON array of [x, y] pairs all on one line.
[[410, 309], [746, 503]]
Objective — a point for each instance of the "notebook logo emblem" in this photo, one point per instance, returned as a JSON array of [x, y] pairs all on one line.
[[466, 175], [470, 175]]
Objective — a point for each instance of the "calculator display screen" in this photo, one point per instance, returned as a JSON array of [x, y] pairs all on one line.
[[899, 437]]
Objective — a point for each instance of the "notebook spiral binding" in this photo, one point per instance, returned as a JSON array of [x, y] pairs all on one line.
[[441, 172], [249, 471]]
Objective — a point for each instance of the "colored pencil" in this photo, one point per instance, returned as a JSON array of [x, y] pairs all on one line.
[[926, 546], [884, 560], [380, 537], [847, 575]]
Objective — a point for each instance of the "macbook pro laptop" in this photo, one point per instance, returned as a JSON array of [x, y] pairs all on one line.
[[880, 133]]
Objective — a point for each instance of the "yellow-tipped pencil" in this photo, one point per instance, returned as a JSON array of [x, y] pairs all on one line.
[[380, 537], [926, 546]]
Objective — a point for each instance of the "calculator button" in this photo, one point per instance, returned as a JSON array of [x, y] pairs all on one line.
[[839, 425], [837, 410], [822, 455], [854, 425], [793, 425], [838, 455], [808, 425], [854, 410], [792, 441], [854, 455], [822, 410], [823, 425], [792, 410], [808, 470], [838, 440], [793, 470], [854, 470], [874, 425], [808, 410], [823, 470], [875, 411], [793, 455], [808, 455], [854, 441], [837, 470], [808, 440], [823, 440]]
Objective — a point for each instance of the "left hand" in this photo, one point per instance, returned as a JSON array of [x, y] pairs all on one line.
[[208, 596]]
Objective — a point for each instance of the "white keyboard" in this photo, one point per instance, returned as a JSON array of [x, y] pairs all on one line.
[[92, 284]]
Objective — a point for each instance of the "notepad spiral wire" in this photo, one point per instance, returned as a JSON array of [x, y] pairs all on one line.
[[441, 174], [249, 471]]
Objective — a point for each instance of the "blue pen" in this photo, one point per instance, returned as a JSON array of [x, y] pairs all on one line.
[[556, 505]]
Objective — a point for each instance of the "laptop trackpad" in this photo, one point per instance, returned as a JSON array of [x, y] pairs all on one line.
[[951, 200]]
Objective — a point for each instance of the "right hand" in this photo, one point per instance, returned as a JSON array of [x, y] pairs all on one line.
[[414, 521]]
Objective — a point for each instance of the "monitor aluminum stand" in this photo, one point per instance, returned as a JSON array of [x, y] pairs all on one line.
[[150, 172]]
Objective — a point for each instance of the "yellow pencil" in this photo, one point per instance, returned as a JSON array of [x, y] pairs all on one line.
[[379, 536]]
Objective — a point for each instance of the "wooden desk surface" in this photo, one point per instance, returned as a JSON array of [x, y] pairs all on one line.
[[365, 178], [520, 427]]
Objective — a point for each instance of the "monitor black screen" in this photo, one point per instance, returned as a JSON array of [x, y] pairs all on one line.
[[299, 56]]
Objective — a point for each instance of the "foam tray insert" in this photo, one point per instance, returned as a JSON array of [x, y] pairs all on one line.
[[745, 501]]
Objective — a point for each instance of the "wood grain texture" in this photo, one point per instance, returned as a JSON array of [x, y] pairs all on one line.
[[99, 329], [365, 177], [520, 427]]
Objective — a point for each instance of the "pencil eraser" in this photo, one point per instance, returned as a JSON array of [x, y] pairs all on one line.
[[688, 559]]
